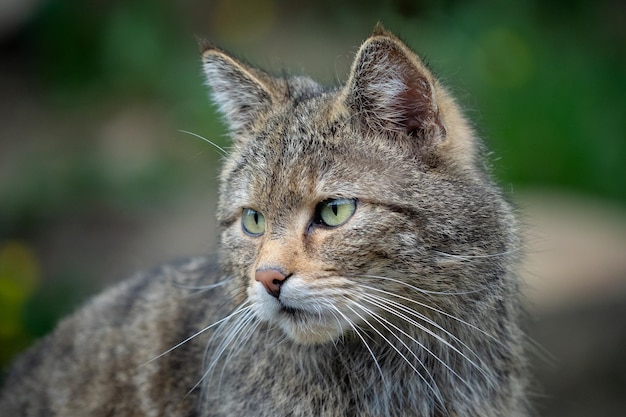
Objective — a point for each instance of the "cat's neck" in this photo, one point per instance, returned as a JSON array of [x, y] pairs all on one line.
[[378, 362]]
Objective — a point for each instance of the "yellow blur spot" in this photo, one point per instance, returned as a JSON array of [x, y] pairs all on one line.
[[19, 278]]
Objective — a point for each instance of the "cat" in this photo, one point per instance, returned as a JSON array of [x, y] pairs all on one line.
[[366, 268]]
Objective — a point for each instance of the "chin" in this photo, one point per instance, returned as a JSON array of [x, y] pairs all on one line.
[[302, 321], [310, 333], [299, 325]]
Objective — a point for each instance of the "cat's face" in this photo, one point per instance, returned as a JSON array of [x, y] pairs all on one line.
[[339, 207], [305, 209]]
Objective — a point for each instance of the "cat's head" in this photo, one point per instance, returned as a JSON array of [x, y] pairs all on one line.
[[337, 204]]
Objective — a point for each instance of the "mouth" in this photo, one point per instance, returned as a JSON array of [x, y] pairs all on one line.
[[288, 310], [303, 321], [293, 313]]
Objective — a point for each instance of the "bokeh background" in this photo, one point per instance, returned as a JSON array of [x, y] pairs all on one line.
[[98, 177]]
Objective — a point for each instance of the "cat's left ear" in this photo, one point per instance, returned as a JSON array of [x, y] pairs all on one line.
[[241, 92], [392, 91]]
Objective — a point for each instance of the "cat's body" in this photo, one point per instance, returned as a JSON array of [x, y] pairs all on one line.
[[367, 269]]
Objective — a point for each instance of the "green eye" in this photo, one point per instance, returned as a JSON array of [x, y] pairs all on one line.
[[334, 213], [252, 222]]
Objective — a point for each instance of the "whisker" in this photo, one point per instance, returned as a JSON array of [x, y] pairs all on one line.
[[380, 319], [421, 290], [434, 390], [542, 353], [435, 309], [215, 145], [379, 302], [233, 333], [238, 333], [199, 289], [470, 257], [229, 331], [198, 333], [367, 346], [422, 317]]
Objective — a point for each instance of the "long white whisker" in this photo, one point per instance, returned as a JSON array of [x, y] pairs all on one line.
[[437, 310], [239, 333], [434, 390], [202, 288], [422, 317], [382, 306], [219, 148], [198, 333], [233, 333], [470, 257], [380, 319], [420, 290], [358, 333]]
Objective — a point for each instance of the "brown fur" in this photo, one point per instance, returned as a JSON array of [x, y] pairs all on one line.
[[408, 308]]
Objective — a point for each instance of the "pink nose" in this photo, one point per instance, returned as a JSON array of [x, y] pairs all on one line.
[[271, 279]]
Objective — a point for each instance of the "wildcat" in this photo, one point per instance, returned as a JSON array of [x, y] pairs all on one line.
[[367, 268]]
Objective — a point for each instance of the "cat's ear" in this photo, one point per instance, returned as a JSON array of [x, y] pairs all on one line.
[[392, 91], [242, 93]]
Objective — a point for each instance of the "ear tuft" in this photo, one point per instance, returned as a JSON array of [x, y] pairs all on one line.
[[204, 45], [379, 30], [391, 89]]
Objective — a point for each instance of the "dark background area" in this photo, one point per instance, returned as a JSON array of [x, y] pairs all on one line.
[[98, 177]]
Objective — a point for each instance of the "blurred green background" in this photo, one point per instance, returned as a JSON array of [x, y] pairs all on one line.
[[97, 178]]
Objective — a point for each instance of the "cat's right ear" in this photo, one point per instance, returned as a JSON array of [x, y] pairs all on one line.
[[242, 93], [393, 92]]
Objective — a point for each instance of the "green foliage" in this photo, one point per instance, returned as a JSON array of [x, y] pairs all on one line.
[[19, 278]]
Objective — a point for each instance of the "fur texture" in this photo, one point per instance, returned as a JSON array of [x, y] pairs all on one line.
[[406, 303]]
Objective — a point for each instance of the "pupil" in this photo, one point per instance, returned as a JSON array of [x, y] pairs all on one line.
[[256, 217], [334, 208]]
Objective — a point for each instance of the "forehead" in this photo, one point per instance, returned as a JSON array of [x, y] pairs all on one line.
[[304, 155], [291, 155]]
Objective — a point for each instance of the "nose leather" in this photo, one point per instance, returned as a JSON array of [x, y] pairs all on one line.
[[271, 279]]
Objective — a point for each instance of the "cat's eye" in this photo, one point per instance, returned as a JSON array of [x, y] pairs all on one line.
[[335, 212], [252, 222]]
